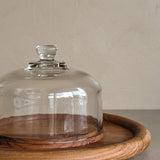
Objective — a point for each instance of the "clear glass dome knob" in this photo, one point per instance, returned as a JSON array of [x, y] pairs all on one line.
[[46, 52]]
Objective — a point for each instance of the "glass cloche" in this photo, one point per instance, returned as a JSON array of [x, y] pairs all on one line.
[[48, 105]]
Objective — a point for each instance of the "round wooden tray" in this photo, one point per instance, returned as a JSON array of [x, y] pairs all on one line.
[[123, 139]]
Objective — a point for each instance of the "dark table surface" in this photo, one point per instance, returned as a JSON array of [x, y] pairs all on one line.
[[151, 120]]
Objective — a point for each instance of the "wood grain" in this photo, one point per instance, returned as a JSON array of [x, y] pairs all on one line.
[[123, 139], [49, 131]]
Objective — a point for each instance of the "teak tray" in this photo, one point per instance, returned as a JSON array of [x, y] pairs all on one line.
[[123, 139]]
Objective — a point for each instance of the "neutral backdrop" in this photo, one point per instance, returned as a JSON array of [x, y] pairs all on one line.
[[117, 42]]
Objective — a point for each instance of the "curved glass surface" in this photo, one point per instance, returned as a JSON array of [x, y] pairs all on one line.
[[48, 101]]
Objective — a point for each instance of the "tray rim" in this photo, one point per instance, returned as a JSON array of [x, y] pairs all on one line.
[[123, 150]]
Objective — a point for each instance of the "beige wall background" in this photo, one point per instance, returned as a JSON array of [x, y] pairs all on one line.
[[118, 42]]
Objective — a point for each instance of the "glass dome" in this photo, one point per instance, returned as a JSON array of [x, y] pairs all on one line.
[[47, 105]]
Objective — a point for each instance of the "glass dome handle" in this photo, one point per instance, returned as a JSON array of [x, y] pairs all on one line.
[[46, 52]]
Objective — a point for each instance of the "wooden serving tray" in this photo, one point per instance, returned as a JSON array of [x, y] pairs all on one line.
[[123, 139]]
